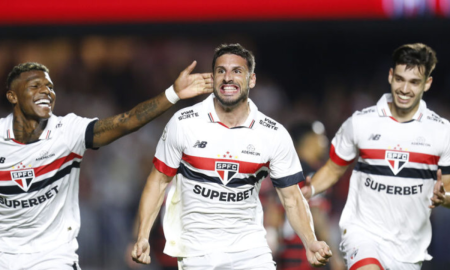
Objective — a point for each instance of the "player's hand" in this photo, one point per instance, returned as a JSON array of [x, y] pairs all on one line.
[[190, 85], [141, 251], [438, 191], [318, 253], [306, 189]]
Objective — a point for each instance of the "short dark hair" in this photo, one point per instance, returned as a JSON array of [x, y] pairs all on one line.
[[236, 49], [21, 68], [416, 55]]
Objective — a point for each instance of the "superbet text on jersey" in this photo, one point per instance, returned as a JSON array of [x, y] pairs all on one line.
[[392, 182], [213, 204], [39, 185]]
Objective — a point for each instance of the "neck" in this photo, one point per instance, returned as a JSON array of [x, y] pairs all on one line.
[[27, 130], [402, 115], [232, 116]]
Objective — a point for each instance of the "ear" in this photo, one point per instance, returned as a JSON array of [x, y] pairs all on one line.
[[252, 82], [11, 96], [391, 75], [428, 83]]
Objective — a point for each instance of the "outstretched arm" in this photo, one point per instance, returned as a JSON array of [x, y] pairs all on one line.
[[323, 179], [299, 216], [151, 201], [186, 86]]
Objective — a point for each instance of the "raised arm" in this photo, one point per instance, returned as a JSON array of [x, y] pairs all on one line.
[[299, 216], [151, 201], [186, 86], [327, 176]]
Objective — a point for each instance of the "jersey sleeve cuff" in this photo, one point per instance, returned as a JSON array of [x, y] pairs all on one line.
[[336, 159], [288, 180], [445, 169], [89, 135], [162, 167]]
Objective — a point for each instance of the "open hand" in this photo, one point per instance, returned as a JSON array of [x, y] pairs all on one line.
[[190, 85]]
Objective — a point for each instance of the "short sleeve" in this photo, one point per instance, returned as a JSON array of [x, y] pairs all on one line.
[[75, 132], [285, 168], [170, 149], [343, 147], [444, 160]]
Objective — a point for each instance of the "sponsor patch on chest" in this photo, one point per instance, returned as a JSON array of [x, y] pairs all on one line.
[[396, 160], [226, 170]]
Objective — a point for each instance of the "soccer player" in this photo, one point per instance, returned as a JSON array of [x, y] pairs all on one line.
[[40, 159], [219, 152], [400, 147]]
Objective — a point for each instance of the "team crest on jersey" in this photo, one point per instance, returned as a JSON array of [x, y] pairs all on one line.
[[396, 160], [23, 178], [226, 170]]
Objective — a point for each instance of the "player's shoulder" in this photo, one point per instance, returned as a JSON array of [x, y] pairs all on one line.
[[188, 114], [266, 123], [366, 112], [430, 117]]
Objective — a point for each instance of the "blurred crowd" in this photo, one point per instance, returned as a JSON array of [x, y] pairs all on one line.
[[100, 76]]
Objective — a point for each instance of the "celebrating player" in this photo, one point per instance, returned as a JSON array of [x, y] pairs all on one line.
[[219, 152], [40, 159], [399, 145]]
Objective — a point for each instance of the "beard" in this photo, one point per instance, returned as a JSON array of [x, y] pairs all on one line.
[[231, 103]]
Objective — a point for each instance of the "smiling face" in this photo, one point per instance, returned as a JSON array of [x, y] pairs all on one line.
[[232, 80], [407, 87], [32, 95]]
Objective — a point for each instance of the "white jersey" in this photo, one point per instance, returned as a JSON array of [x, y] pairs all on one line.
[[39, 185], [392, 182], [213, 205]]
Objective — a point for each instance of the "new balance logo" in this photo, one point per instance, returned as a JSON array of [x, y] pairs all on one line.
[[374, 137], [200, 144], [2, 160]]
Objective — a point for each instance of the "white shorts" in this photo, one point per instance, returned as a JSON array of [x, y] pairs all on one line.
[[63, 257], [360, 249], [252, 259]]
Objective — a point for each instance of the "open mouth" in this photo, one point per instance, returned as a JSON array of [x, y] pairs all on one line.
[[229, 89], [43, 103]]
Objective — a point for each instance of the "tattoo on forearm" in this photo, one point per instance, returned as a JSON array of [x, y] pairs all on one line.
[[146, 111]]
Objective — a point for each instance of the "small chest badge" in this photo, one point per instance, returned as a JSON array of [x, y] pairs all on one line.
[[396, 160], [23, 178], [226, 170]]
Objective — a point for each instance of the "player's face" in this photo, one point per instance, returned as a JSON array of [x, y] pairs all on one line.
[[232, 79], [33, 95], [407, 87]]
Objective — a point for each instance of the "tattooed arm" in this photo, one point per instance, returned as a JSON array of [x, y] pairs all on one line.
[[186, 86]]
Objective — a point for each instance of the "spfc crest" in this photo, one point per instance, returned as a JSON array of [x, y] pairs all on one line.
[[397, 160], [226, 170], [23, 178]]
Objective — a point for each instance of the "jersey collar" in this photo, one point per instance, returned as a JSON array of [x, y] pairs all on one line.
[[8, 133], [212, 117], [384, 111]]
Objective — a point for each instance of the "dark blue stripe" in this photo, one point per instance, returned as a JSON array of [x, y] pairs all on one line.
[[386, 171], [288, 180], [235, 182], [445, 169], [9, 190]]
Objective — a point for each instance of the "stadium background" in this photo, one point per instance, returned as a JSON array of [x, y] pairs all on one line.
[[316, 60]]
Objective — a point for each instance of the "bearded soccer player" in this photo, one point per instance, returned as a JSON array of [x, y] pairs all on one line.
[[403, 163], [218, 152], [40, 164]]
